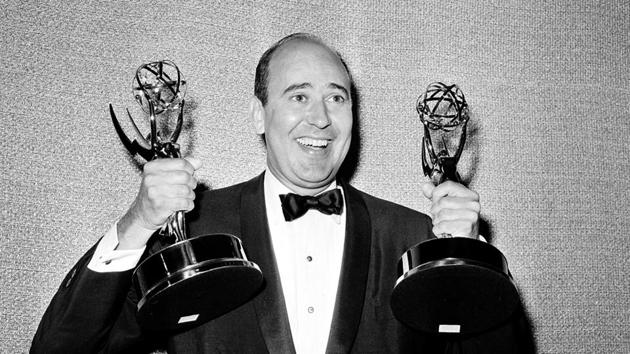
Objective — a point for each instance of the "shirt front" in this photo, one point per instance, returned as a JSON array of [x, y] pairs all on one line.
[[308, 251]]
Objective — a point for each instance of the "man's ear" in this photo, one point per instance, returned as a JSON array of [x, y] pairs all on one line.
[[257, 115]]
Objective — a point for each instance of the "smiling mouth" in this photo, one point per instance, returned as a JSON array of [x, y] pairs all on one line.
[[313, 143]]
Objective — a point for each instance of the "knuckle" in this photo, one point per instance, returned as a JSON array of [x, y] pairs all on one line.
[[445, 185], [149, 166], [152, 193], [436, 218], [183, 204], [173, 176], [440, 203], [450, 184], [181, 175], [183, 190], [184, 177], [148, 179], [181, 164]]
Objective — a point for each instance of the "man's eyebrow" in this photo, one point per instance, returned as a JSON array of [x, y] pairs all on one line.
[[297, 87], [308, 85], [339, 87]]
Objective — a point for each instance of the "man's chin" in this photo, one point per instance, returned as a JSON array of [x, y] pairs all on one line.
[[314, 183], [319, 184]]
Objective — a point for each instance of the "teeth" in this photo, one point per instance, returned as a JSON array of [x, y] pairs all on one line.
[[313, 142]]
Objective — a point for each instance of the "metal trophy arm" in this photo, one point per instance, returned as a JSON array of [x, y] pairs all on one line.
[[453, 286], [192, 280], [137, 146]]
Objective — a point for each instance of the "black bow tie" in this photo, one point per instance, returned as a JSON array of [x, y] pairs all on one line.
[[294, 206]]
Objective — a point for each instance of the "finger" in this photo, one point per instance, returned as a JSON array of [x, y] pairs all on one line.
[[445, 215], [455, 203], [163, 165], [453, 189], [167, 194], [181, 205], [427, 189], [168, 178], [456, 228], [178, 192], [160, 215], [163, 207]]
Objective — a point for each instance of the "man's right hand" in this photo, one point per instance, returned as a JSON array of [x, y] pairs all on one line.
[[167, 187]]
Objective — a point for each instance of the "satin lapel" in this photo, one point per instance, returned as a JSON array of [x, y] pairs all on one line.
[[269, 304], [353, 277]]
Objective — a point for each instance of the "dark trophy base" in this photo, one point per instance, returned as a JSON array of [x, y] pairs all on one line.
[[194, 281], [453, 286]]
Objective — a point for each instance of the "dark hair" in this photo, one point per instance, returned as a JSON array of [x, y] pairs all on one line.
[[261, 81]]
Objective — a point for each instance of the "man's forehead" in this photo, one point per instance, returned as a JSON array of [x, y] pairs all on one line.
[[303, 57]]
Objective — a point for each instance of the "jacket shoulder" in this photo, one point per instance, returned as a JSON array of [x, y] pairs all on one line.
[[381, 206], [218, 210], [387, 217]]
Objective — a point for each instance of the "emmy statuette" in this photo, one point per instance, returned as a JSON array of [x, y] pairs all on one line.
[[192, 280], [450, 285]]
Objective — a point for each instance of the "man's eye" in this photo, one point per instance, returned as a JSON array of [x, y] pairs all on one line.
[[338, 99], [298, 98]]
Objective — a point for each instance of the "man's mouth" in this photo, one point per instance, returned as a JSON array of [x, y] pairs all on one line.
[[313, 143]]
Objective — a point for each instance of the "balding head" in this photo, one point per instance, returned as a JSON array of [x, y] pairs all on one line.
[[261, 83]]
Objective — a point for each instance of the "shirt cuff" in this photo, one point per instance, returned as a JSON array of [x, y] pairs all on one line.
[[107, 258]]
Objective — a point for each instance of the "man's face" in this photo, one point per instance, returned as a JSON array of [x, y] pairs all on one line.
[[307, 121]]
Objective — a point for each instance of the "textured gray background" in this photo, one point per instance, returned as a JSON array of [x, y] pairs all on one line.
[[548, 84]]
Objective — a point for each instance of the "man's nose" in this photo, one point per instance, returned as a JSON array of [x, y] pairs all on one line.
[[317, 115]]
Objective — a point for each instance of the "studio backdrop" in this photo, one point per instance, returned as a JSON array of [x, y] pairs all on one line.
[[548, 84]]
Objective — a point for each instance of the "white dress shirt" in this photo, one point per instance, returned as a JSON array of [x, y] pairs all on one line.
[[107, 258], [308, 252]]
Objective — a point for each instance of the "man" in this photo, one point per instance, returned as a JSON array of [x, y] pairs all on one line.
[[328, 278]]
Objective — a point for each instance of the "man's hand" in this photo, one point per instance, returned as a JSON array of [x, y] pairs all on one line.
[[454, 209], [167, 187]]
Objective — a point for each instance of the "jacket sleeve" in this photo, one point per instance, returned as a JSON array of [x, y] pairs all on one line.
[[90, 313]]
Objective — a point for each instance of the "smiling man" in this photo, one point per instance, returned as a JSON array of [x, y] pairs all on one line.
[[305, 114], [329, 270]]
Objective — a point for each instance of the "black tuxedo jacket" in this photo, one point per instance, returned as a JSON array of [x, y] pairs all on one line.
[[95, 312]]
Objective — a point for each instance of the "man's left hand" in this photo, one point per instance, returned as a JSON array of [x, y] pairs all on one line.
[[454, 209]]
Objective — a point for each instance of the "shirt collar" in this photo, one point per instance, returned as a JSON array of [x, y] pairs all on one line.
[[273, 188]]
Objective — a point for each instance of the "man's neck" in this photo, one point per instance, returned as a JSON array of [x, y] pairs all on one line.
[[297, 189]]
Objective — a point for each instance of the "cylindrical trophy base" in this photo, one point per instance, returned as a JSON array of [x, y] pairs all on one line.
[[454, 286], [194, 281]]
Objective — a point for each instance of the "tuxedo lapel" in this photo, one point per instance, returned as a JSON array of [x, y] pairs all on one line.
[[353, 277], [269, 304]]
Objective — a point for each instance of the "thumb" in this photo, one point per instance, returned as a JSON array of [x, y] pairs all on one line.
[[195, 162], [427, 189]]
